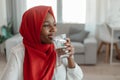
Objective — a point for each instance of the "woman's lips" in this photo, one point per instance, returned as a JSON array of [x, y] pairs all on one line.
[[50, 37]]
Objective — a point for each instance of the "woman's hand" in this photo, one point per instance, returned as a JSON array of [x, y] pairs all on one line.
[[68, 49]]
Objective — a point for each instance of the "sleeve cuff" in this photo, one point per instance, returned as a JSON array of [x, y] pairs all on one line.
[[72, 69]]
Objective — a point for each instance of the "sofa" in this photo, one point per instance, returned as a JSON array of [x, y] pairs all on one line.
[[85, 51]]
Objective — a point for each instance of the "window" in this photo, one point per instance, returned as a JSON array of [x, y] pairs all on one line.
[[74, 11], [53, 3], [70, 11]]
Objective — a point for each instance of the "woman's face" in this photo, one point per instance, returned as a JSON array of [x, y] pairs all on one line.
[[48, 29]]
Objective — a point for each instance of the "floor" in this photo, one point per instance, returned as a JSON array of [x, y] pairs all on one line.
[[100, 71]]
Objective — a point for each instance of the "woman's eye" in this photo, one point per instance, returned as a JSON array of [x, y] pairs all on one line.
[[49, 25], [46, 25]]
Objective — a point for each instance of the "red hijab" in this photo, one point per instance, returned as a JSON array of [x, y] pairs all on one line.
[[40, 59]]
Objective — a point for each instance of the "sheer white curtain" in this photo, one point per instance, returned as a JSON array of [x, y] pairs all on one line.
[[18, 6], [91, 16], [3, 17], [3, 21], [96, 14], [102, 14]]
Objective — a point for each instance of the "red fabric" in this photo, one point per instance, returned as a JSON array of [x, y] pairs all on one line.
[[40, 59]]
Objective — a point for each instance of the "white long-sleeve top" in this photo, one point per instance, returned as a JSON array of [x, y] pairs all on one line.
[[14, 68]]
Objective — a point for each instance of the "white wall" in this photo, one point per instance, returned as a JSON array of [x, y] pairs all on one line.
[[3, 18], [114, 12]]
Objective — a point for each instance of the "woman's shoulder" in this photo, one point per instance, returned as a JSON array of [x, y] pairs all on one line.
[[18, 49]]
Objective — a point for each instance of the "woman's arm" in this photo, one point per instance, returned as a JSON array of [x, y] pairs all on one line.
[[11, 70], [74, 73], [70, 48], [71, 62]]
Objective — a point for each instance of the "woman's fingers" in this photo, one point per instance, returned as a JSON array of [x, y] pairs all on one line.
[[69, 47], [68, 40]]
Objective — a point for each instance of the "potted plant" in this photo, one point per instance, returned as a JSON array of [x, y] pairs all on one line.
[[7, 32]]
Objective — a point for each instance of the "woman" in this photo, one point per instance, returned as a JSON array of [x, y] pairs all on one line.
[[35, 58]]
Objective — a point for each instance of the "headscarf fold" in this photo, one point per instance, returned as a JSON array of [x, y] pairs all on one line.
[[40, 59]]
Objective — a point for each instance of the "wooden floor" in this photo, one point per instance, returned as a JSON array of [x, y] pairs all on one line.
[[100, 71]]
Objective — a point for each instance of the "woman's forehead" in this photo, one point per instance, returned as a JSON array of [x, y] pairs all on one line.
[[49, 18]]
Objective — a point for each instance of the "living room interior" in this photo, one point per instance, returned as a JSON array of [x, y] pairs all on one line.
[[92, 25]]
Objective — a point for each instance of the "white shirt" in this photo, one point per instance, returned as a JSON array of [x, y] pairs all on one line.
[[14, 68]]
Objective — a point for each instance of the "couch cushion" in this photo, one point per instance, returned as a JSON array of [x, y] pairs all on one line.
[[74, 30], [80, 36], [79, 47], [79, 58]]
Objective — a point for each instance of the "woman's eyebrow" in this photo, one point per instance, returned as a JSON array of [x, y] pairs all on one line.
[[48, 22]]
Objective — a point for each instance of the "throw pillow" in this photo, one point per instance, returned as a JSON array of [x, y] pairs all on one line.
[[74, 30], [80, 36]]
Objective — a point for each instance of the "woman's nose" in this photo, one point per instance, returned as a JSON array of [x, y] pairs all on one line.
[[53, 29]]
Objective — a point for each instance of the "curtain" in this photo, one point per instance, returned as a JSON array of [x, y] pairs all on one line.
[[18, 8], [96, 14], [3, 17], [91, 16], [3, 21]]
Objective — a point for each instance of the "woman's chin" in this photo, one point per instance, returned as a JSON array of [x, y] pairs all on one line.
[[49, 42]]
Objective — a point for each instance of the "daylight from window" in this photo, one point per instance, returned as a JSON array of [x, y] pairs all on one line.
[[73, 11]]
